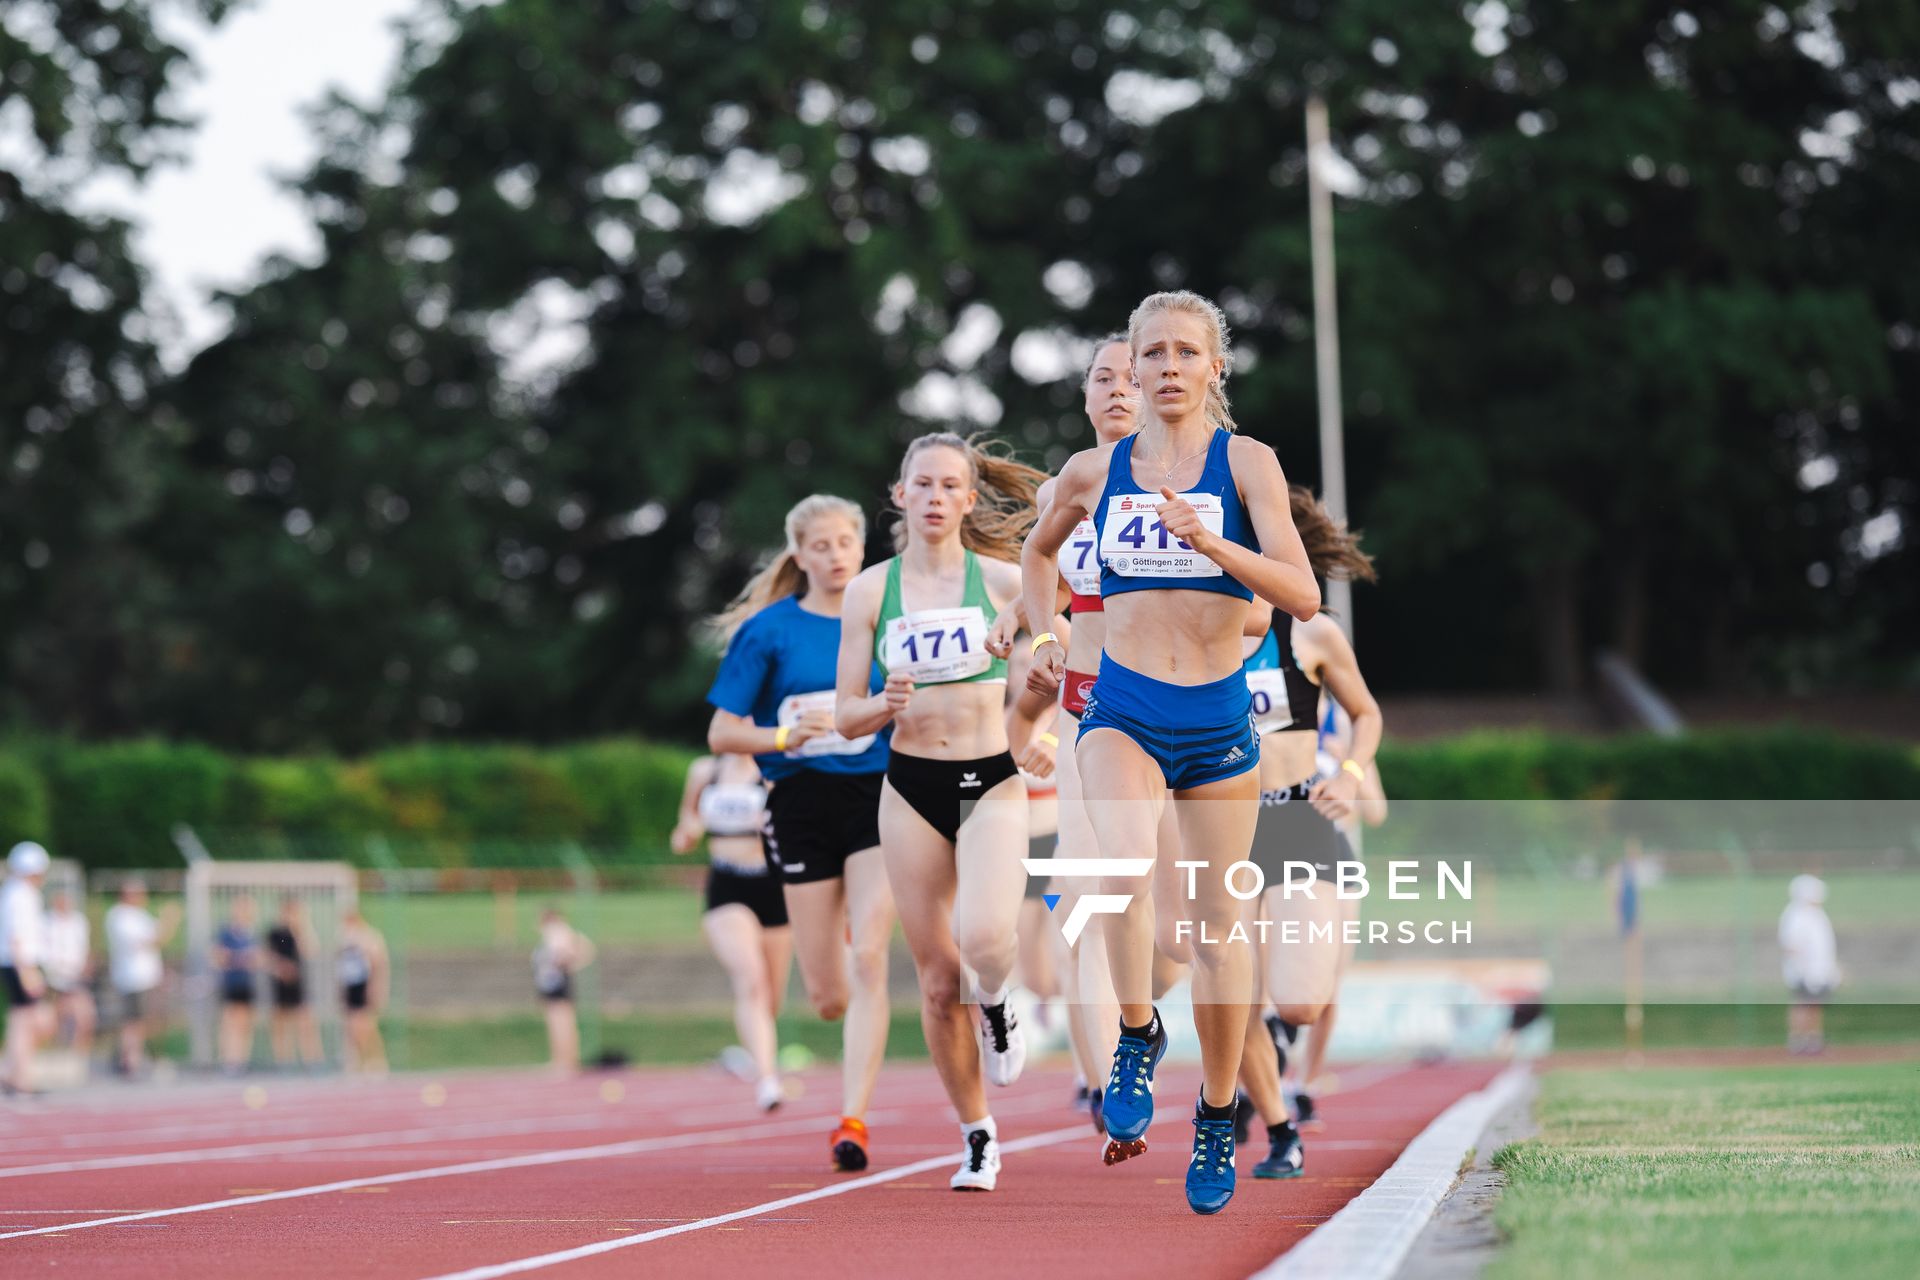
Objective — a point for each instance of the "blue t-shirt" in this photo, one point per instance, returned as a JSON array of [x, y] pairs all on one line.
[[238, 944], [784, 652]]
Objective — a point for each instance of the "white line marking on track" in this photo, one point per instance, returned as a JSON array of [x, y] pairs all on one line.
[[1370, 1236], [567, 1155], [1051, 1138], [343, 1142]]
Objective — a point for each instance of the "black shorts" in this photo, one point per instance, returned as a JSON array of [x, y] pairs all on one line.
[[1809, 993], [1039, 847], [943, 791], [557, 994], [1292, 830], [816, 821], [289, 995], [133, 1005], [236, 987], [354, 996], [759, 892], [17, 995]]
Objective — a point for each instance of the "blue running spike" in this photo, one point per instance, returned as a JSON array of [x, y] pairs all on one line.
[[1051, 899], [1128, 1104], [1210, 1175]]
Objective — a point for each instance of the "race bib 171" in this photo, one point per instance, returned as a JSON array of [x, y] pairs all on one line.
[[937, 646]]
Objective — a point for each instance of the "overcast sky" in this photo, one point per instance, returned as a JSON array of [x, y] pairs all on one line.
[[208, 223]]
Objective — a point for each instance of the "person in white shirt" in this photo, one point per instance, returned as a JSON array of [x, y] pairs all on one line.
[[134, 967], [69, 972], [1809, 961], [23, 924]]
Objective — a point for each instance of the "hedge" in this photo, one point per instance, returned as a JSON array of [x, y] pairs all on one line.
[[115, 804], [1777, 763]]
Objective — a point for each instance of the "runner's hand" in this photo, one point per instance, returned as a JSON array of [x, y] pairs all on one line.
[[1000, 635], [1177, 517], [1333, 798], [1037, 758], [1048, 670], [685, 836], [898, 693], [814, 724]]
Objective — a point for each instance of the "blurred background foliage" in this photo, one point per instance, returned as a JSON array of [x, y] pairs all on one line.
[[1630, 303]]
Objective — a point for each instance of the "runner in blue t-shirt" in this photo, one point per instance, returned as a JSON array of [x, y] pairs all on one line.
[[773, 699]]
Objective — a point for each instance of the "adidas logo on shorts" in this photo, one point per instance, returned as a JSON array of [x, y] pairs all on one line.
[[1234, 756]]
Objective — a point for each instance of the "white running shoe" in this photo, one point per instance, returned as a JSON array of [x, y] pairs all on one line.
[[770, 1093], [1003, 1049], [981, 1168]]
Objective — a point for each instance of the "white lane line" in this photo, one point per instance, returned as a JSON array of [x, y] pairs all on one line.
[[567, 1155], [531, 1159], [1370, 1236], [1051, 1138], [353, 1141], [291, 1118]]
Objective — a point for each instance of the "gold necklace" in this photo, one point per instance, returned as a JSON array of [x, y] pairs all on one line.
[[1167, 475]]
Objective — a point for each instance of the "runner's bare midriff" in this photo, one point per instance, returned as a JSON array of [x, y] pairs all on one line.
[[1179, 637], [952, 722]]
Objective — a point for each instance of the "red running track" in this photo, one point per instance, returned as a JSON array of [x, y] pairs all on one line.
[[668, 1173]]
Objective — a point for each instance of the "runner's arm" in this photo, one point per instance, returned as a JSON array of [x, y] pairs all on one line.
[[857, 711], [1279, 571]]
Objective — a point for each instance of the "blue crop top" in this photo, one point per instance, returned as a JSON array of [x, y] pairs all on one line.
[[1137, 554]]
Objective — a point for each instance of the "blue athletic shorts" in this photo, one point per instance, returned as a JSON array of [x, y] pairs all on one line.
[[1218, 742]]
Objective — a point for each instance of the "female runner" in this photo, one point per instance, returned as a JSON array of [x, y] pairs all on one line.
[[1182, 506], [746, 918], [953, 812], [1299, 1070], [773, 700], [1286, 672], [1112, 404]]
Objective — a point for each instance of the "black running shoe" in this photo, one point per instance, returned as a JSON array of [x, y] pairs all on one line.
[[1303, 1105], [1242, 1118]]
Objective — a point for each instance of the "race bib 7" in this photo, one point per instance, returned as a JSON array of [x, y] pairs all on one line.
[[1080, 561], [827, 744], [937, 646], [1136, 545]]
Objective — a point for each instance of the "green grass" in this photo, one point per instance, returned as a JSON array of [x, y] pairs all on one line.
[[1514, 899], [1806, 1170], [1674, 1026], [676, 1039]]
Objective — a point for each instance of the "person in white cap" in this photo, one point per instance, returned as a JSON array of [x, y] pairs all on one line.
[[22, 951], [1809, 961]]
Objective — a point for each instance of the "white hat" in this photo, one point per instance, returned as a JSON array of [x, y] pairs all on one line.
[[28, 859], [1807, 889]]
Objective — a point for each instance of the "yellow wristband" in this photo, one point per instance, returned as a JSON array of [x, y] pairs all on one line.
[[1045, 637], [780, 737], [1348, 766], [1049, 739]]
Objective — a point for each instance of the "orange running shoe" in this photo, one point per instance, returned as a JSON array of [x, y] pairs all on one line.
[[850, 1145]]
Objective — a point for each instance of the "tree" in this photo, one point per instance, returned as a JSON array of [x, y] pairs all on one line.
[[88, 80]]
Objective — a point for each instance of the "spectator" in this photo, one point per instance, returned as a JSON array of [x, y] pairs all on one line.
[[236, 958], [292, 1024], [69, 973], [134, 967], [362, 969], [563, 952], [1809, 962], [23, 925]]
